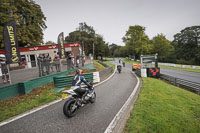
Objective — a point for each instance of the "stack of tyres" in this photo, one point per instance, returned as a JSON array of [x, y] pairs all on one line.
[[153, 72]]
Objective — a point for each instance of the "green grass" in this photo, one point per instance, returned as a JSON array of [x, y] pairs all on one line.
[[23, 103], [109, 64], [98, 66], [163, 108], [108, 59], [131, 61], [181, 69]]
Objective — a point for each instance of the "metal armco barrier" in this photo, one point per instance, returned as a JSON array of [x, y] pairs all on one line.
[[64, 81], [193, 86]]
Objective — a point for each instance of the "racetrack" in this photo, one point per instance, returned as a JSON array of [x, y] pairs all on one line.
[[93, 118], [191, 76]]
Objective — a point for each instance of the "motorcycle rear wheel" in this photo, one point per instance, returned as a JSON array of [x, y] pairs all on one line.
[[68, 108]]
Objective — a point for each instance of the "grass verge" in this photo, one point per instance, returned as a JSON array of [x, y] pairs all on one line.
[[108, 59], [39, 96], [131, 61], [181, 69], [109, 64], [23, 103], [98, 66], [164, 108]]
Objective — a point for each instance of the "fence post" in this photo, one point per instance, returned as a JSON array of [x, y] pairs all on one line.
[[174, 81]]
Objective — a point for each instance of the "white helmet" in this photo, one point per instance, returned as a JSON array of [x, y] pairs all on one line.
[[2, 56]]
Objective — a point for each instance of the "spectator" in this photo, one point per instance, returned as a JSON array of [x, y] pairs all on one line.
[[4, 69], [56, 61]]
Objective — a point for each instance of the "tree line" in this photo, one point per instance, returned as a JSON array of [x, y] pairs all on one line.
[[184, 49], [29, 19], [30, 22]]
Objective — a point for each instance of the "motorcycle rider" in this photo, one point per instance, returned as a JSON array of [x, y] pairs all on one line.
[[123, 64], [79, 78]]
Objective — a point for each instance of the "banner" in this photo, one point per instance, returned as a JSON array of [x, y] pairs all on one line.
[[11, 43], [61, 47]]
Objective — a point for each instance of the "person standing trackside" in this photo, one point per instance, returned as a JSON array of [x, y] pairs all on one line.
[[56, 61], [3, 66], [41, 64], [47, 63]]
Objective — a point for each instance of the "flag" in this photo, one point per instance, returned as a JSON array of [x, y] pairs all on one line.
[[61, 47], [11, 43]]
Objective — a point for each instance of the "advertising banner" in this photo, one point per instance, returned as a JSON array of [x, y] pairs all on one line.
[[11, 43], [61, 47]]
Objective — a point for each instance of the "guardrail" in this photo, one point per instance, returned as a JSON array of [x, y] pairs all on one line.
[[179, 65], [192, 86]]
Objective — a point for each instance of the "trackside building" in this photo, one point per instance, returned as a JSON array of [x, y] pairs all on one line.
[[30, 54]]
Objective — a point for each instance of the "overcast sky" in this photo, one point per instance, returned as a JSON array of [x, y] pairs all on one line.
[[112, 18]]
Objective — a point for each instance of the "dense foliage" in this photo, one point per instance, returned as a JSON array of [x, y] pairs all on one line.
[[136, 41], [184, 49], [87, 37], [29, 18], [187, 45]]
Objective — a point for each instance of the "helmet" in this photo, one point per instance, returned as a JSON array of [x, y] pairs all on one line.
[[79, 71], [2, 56]]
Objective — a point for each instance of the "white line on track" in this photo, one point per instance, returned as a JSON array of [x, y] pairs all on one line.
[[117, 117]]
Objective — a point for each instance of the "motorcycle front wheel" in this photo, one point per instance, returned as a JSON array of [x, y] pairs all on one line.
[[70, 108], [93, 98]]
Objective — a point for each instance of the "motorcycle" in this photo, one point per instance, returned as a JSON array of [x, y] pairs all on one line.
[[80, 96], [119, 68], [123, 64]]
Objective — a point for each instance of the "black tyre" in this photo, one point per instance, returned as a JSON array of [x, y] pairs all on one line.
[[93, 98], [68, 108]]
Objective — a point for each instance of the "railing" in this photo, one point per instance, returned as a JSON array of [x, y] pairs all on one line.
[[192, 86]]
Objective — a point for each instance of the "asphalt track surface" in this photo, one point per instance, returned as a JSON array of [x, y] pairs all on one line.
[[92, 118], [190, 76]]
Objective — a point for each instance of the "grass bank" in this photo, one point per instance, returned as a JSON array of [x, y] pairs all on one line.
[[131, 61], [23, 103], [108, 59], [39, 96], [109, 64], [181, 69], [164, 108], [98, 66]]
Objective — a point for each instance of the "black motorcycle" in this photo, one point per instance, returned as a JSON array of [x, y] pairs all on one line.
[[119, 68], [123, 64], [80, 96]]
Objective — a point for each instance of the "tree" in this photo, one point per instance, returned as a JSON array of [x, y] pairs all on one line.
[[162, 46], [112, 48], [86, 36], [186, 45], [29, 18], [136, 41], [50, 43]]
